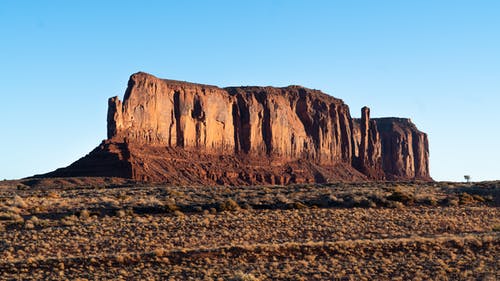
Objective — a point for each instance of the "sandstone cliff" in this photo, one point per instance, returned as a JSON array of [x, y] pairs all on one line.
[[187, 133]]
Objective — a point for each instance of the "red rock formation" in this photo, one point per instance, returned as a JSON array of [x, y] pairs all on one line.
[[187, 133], [405, 152], [369, 160]]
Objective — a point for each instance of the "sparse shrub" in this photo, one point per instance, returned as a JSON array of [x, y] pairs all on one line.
[[280, 198], [326, 201], [396, 205], [69, 220], [364, 203], [178, 213], [450, 201], [149, 201], [478, 198], [246, 206], [130, 212], [348, 201], [337, 202], [380, 201], [19, 202], [428, 200], [139, 219], [122, 258], [400, 196], [465, 198], [121, 213], [21, 186], [171, 207], [240, 276], [176, 193], [29, 225], [11, 216], [488, 198], [53, 194], [159, 252], [228, 205], [299, 205], [84, 214]]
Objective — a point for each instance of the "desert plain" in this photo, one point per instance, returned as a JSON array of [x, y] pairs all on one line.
[[116, 229]]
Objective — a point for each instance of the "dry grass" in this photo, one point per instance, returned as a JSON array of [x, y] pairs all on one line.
[[379, 231]]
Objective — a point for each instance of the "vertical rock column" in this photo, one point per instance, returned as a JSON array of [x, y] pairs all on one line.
[[114, 116], [365, 127], [369, 161]]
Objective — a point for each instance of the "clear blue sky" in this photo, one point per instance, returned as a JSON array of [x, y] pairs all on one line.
[[436, 61]]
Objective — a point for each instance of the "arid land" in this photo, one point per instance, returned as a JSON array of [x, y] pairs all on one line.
[[110, 228]]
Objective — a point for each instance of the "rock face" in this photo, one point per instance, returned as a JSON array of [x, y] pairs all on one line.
[[405, 152], [186, 133]]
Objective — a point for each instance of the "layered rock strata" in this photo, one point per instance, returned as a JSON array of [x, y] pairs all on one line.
[[187, 133]]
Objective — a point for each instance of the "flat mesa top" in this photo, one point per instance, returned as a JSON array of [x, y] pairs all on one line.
[[294, 90]]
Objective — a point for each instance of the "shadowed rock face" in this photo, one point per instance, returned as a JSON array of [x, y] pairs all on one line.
[[186, 133], [405, 152]]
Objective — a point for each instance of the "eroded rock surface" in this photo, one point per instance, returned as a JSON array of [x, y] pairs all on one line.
[[187, 133]]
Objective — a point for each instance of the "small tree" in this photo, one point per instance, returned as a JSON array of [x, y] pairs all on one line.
[[467, 178]]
